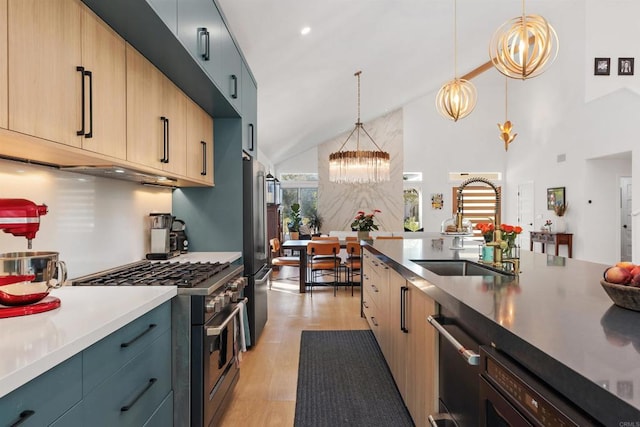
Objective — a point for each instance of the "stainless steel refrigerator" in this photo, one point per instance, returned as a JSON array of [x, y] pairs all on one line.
[[255, 245]]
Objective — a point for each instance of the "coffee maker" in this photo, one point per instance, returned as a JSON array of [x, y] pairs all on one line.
[[160, 237]]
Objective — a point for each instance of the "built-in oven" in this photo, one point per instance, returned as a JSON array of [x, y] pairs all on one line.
[[215, 347], [512, 396]]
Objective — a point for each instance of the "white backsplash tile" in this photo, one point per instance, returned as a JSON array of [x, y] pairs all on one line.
[[95, 223]]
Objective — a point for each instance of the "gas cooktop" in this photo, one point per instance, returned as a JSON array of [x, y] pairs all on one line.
[[184, 275]]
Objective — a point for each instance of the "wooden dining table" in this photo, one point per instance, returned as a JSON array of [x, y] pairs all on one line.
[[300, 246]]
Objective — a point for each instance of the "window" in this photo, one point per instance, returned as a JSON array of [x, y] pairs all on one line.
[[300, 188], [412, 196]]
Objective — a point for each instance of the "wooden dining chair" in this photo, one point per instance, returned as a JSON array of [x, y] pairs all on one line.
[[277, 260], [353, 263], [322, 260], [351, 238]]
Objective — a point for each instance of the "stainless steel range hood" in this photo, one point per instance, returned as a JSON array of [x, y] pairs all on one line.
[[125, 174]]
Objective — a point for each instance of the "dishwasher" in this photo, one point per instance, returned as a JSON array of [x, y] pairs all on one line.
[[458, 370]]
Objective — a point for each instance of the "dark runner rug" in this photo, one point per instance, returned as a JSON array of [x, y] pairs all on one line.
[[343, 380]]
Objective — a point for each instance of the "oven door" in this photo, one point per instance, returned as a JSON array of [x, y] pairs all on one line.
[[216, 371], [495, 410]]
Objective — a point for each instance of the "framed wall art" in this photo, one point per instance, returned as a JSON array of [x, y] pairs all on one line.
[[555, 197], [602, 66], [625, 66]]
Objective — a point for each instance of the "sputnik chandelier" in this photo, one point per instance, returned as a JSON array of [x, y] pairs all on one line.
[[359, 166], [457, 98], [524, 47]]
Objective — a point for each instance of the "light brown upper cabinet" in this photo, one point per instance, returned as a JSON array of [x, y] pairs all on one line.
[[156, 117], [4, 115], [66, 76], [199, 144]]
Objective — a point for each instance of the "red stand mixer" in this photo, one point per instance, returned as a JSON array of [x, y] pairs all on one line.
[[26, 277], [21, 217]]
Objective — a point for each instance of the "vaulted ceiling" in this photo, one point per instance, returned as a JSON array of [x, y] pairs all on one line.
[[404, 48]]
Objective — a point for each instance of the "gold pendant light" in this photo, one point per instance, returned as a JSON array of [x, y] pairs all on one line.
[[524, 47], [505, 129], [359, 166], [456, 98]]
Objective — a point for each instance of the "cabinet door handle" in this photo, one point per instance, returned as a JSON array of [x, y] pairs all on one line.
[[136, 338], [373, 320], [202, 31], [90, 75], [403, 309], [81, 71], [204, 158], [165, 138], [374, 288], [151, 382], [24, 415], [251, 136], [168, 145], [234, 80]]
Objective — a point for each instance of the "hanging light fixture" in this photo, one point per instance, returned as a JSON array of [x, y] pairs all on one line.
[[273, 189], [505, 129], [524, 47], [457, 98], [359, 166]]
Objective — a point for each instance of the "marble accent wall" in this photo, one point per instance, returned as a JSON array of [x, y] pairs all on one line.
[[338, 203]]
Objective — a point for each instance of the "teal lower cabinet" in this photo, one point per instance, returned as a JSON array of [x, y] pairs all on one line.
[[163, 416], [45, 398], [131, 395], [122, 380]]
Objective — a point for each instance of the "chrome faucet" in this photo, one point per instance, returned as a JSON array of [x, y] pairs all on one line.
[[497, 238]]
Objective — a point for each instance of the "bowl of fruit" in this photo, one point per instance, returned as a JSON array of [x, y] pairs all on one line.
[[622, 283]]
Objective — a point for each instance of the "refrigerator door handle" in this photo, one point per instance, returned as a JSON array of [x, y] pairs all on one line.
[[264, 278]]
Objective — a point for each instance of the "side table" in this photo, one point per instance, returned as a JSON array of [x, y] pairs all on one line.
[[556, 239]]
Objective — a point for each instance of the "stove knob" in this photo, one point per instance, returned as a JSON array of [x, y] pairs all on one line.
[[210, 306]]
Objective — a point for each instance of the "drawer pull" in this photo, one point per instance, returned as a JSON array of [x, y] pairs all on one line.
[[151, 382], [146, 331], [374, 288], [373, 320], [364, 303], [24, 415]]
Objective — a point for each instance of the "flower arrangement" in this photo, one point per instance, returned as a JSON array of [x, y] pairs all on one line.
[[486, 228], [509, 234], [364, 222]]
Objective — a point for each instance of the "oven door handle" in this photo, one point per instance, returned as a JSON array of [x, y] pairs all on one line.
[[217, 330], [471, 357]]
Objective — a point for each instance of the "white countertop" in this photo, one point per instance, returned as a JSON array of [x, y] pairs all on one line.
[[31, 345], [207, 257]]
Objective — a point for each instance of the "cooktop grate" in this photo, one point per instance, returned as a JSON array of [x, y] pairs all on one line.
[[182, 274]]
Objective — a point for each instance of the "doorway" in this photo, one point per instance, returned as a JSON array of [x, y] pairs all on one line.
[[525, 212], [625, 219]]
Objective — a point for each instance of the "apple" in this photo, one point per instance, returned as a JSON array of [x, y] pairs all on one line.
[[617, 275], [635, 281], [626, 264], [636, 271]]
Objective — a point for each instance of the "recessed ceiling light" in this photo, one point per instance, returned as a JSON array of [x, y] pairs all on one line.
[[305, 30]]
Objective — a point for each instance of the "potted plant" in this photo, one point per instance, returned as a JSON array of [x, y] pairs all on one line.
[[363, 224], [295, 220]]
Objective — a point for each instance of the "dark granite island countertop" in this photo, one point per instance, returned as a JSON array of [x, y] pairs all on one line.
[[554, 318]]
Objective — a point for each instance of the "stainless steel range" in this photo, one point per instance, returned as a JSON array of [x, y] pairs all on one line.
[[205, 339]]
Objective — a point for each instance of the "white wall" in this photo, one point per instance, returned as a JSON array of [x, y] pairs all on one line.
[[94, 223], [567, 111]]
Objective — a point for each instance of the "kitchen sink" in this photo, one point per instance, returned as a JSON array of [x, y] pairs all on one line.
[[459, 268]]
